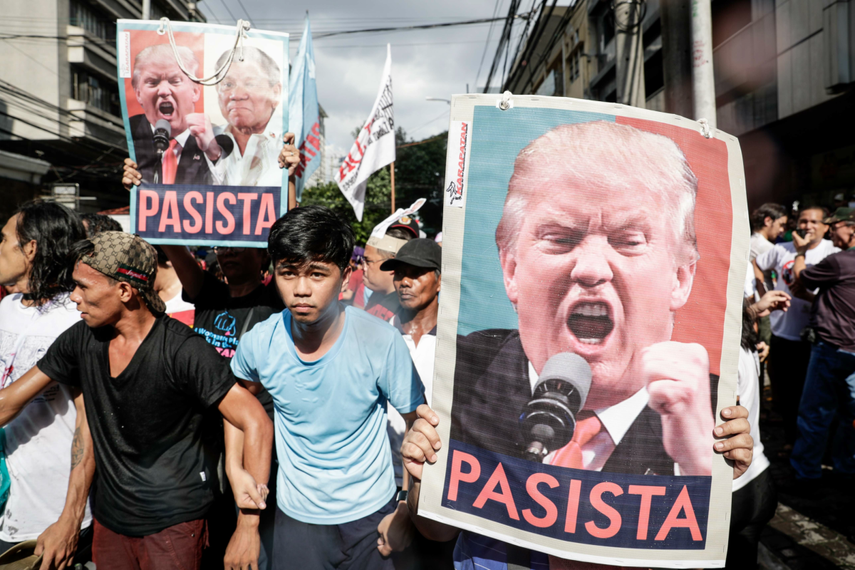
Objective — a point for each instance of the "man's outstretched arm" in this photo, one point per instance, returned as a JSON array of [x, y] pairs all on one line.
[[17, 395], [249, 445], [58, 542]]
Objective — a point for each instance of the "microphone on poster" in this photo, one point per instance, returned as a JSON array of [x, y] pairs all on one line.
[[162, 134], [548, 420]]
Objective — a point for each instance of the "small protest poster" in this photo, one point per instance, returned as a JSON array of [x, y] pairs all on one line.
[[207, 150], [594, 257]]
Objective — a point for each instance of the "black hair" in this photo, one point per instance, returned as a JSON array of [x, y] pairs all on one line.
[[750, 338], [311, 233], [400, 233], [768, 210], [100, 223], [824, 211], [55, 229]]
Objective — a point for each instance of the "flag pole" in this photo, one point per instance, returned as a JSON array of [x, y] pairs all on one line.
[[392, 171]]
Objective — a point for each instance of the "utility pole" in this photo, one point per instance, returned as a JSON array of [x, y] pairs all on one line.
[[703, 81], [629, 50], [146, 9], [676, 19]]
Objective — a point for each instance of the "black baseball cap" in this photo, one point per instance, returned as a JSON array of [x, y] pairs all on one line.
[[419, 252]]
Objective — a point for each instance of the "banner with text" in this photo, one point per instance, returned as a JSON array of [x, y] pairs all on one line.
[[208, 153], [593, 263]]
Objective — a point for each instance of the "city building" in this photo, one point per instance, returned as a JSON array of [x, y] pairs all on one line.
[[60, 119], [784, 71]]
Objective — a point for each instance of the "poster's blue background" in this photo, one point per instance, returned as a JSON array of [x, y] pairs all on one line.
[[497, 138]]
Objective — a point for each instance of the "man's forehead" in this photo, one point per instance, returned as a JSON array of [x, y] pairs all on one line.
[[160, 67]]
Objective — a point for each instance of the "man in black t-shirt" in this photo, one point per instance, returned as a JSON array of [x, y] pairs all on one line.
[[146, 381]]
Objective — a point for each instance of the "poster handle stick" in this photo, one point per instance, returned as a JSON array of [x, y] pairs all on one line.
[[392, 171], [292, 193]]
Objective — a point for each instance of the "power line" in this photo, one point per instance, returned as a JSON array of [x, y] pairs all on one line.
[[226, 6], [245, 11], [419, 27], [487, 43]]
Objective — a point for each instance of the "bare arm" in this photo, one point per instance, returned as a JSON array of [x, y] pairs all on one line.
[[420, 445], [758, 279], [189, 273], [249, 443], [17, 395], [396, 528], [59, 541]]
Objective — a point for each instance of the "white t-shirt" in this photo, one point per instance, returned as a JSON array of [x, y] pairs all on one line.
[[760, 245], [396, 427], [181, 310], [781, 258], [748, 388], [38, 442]]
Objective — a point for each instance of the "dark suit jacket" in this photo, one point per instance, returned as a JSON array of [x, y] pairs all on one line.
[[192, 166], [491, 387]]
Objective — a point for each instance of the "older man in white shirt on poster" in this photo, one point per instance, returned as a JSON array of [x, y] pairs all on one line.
[[248, 97]]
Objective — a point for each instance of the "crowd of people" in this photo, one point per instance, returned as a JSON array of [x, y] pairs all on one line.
[[276, 417]]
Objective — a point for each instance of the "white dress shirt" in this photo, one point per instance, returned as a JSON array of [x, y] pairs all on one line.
[[237, 169]]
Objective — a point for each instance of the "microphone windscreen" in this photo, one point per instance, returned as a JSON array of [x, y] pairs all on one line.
[[163, 125], [226, 144], [570, 368]]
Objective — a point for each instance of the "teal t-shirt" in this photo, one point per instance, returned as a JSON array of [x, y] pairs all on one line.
[[335, 463]]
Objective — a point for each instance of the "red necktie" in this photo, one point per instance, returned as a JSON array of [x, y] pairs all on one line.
[[170, 163], [587, 426]]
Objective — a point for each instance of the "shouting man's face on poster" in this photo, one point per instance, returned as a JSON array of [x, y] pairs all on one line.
[[162, 89], [598, 251]]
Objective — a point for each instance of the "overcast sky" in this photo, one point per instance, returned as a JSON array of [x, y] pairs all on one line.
[[425, 63]]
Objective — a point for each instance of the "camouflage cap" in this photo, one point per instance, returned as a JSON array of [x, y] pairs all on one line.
[[129, 258]]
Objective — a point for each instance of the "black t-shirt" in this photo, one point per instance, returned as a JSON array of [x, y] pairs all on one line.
[[383, 306], [223, 319], [152, 469]]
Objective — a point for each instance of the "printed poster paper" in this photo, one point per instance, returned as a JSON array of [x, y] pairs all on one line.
[[210, 169], [597, 255]]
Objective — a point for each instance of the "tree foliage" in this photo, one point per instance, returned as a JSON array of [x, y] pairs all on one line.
[[419, 173]]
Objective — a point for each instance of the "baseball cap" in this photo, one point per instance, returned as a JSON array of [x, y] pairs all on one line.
[[128, 258], [21, 557], [420, 252], [407, 223], [842, 214]]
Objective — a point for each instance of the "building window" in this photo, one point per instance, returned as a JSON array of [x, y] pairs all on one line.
[[96, 92], [83, 16], [574, 63]]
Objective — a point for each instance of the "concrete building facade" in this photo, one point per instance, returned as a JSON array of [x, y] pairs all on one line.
[[59, 99], [784, 71]]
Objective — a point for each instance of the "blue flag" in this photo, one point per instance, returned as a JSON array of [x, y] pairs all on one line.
[[303, 116]]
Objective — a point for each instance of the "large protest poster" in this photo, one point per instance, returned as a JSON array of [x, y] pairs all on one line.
[[593, 263], [208, 153]]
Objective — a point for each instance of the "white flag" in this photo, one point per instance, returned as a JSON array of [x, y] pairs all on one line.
[[374, 147]]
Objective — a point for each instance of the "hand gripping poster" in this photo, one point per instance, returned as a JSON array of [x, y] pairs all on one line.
[[593, 263], [205, 110]]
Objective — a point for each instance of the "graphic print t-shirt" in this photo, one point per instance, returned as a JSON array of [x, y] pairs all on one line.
[[221, 318], [38, 442], [146, 423]]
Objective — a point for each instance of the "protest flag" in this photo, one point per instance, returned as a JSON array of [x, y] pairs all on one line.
[[374, 147], [304, 119]]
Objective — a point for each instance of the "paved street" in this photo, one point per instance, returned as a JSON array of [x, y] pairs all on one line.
[[809, 531]]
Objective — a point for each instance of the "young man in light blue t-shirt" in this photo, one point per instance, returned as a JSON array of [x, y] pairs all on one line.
[[331, 370]]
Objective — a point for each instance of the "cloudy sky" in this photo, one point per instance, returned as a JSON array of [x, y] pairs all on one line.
[[425, 63]]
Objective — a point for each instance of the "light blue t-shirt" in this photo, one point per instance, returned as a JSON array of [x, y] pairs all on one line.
[[335, 463]]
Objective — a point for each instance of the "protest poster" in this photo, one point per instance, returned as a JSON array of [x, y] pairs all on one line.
[[594, 257], [207, 150]]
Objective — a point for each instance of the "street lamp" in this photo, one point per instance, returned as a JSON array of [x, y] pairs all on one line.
[[438, 99]]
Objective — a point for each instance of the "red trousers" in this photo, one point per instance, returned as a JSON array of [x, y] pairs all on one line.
[[178, 547]]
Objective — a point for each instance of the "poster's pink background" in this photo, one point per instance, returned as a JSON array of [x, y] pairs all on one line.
[[141, 39], [701, 320]]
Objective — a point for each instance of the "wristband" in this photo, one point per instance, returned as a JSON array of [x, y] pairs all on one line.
[[402, 496]]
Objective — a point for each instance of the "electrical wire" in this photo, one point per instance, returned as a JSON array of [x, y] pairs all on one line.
[[487, 43]]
